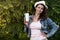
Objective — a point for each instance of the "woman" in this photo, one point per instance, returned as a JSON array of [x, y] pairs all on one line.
[[39, 23]]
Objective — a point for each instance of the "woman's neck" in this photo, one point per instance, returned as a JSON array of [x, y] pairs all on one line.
[[37, 14]]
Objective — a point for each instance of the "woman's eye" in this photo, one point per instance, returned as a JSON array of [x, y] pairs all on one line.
[[41, 8], [38, 7]]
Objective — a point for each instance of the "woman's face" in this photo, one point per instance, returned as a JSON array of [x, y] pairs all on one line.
[[39, 8]]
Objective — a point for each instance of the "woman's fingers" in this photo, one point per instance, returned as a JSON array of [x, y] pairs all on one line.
[[25, 22], [43, 34]]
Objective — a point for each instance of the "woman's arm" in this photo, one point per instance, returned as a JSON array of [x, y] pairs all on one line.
[[54, 27]]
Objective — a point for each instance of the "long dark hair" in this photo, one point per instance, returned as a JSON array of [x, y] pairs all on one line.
[[43, 15]]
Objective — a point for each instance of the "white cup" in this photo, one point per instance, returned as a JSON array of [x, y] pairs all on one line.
[[27, 16]]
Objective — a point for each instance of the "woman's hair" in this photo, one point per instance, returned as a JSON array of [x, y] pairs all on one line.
[[43, 15]]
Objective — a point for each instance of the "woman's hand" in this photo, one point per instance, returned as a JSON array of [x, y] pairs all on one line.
[[26, 22], [43, 34]]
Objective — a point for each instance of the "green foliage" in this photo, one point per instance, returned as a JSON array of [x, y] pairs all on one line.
[[11, 17]]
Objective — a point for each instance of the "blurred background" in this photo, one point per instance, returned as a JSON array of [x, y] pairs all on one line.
[[12, 13]]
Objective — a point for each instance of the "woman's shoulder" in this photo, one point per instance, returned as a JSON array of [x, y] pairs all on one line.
[[30, 15], [46, 19], [49, 19]]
